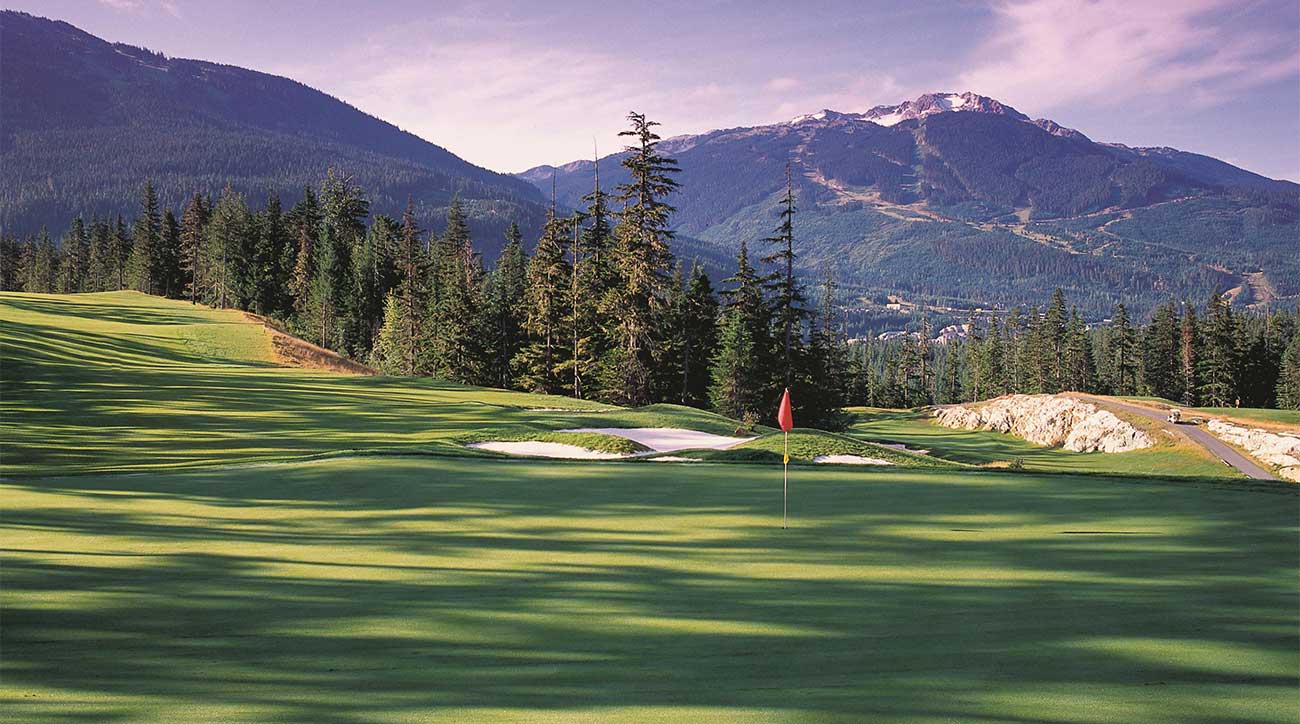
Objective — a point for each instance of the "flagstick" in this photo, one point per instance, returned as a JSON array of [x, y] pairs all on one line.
[[785, 481]]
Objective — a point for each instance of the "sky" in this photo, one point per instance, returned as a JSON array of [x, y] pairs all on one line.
[[510, 85]]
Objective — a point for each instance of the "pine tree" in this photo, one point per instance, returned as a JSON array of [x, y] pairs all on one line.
[[823, 371], [546, 283], [699, 327], [1052, 374], [788, 299], [76, 259], [120, 256], [404, 310], [1076, 356], [456, 326], [641, 262], [732, 391], [304, 228], [344, 209], [269, 273], [741, 374], [101, 257], [1188, 359], [1288, 381], [227, 232], [394, 342], [1218, 365], [194, 233], [325, 296], [1123, 353], [170, 279], [145, 266], [505, 300], [1159, 354], [1014, 360], [41, 270]]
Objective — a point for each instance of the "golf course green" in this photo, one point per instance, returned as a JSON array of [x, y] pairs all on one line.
[[191, 533]]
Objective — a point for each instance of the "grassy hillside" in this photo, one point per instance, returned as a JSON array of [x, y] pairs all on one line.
[[918, 430], [123, 381]]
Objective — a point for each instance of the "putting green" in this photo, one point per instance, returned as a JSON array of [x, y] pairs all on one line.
[[414, 589]]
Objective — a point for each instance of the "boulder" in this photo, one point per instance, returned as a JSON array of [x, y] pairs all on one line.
[[1051, 420], [1279, 449]]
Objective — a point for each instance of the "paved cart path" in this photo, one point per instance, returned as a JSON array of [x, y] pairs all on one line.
[[1219, 448]]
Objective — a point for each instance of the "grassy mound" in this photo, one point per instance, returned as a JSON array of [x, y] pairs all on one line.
[[807, 444], [123, 381], [600, 442]]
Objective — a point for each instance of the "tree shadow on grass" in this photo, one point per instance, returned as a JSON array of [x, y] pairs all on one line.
[[348, 591]]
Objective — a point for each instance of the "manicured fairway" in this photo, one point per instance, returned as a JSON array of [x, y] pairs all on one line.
[[159, 566], [418, 589]]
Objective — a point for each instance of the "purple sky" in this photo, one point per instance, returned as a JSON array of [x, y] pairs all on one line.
[[509, 85]]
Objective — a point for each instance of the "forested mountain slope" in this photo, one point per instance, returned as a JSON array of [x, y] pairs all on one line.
[[960, 197], [84, 122]]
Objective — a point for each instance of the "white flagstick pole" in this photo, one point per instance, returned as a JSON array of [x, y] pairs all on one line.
[[785, 480]]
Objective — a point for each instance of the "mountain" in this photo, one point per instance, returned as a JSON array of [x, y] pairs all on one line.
[[84, 122], [961, 199]]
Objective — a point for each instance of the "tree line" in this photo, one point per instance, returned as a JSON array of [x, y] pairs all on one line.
[[600, 309], [1210, 355]]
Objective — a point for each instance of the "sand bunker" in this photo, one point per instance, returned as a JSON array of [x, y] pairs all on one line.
[[904, 448], [674, 459], [669, 439], [546, 450], [850, 460]]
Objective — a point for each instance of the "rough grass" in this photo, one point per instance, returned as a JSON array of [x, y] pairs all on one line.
[[454, 589], [917, 429]]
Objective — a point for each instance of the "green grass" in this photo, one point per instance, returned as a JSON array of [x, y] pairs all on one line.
[[1246, 414], [457, 586], [917, 430], [441, 589], [807, 444], [122, 381]]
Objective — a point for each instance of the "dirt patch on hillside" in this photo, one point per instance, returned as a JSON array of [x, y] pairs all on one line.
[[291, 351]]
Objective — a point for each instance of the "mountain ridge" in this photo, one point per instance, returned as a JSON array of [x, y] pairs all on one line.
[[195, 125], [973, 182]]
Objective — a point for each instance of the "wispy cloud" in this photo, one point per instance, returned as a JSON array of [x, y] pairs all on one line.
[[143, 6], [1049, 53], [505, 98]]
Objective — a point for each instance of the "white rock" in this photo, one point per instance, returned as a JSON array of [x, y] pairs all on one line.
[[1279, 449], [1049, 420]]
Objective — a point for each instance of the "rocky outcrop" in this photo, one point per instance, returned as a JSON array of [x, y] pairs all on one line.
[[1049, 420], [1279, 449]]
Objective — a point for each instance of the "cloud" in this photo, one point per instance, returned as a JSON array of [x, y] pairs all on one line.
[[1049, 53], [142, 6], [508, 98]]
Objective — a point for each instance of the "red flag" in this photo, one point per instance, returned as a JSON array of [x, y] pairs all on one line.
[[784, 417]]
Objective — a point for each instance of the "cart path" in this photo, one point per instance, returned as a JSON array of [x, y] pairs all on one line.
[[1217, 447]]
